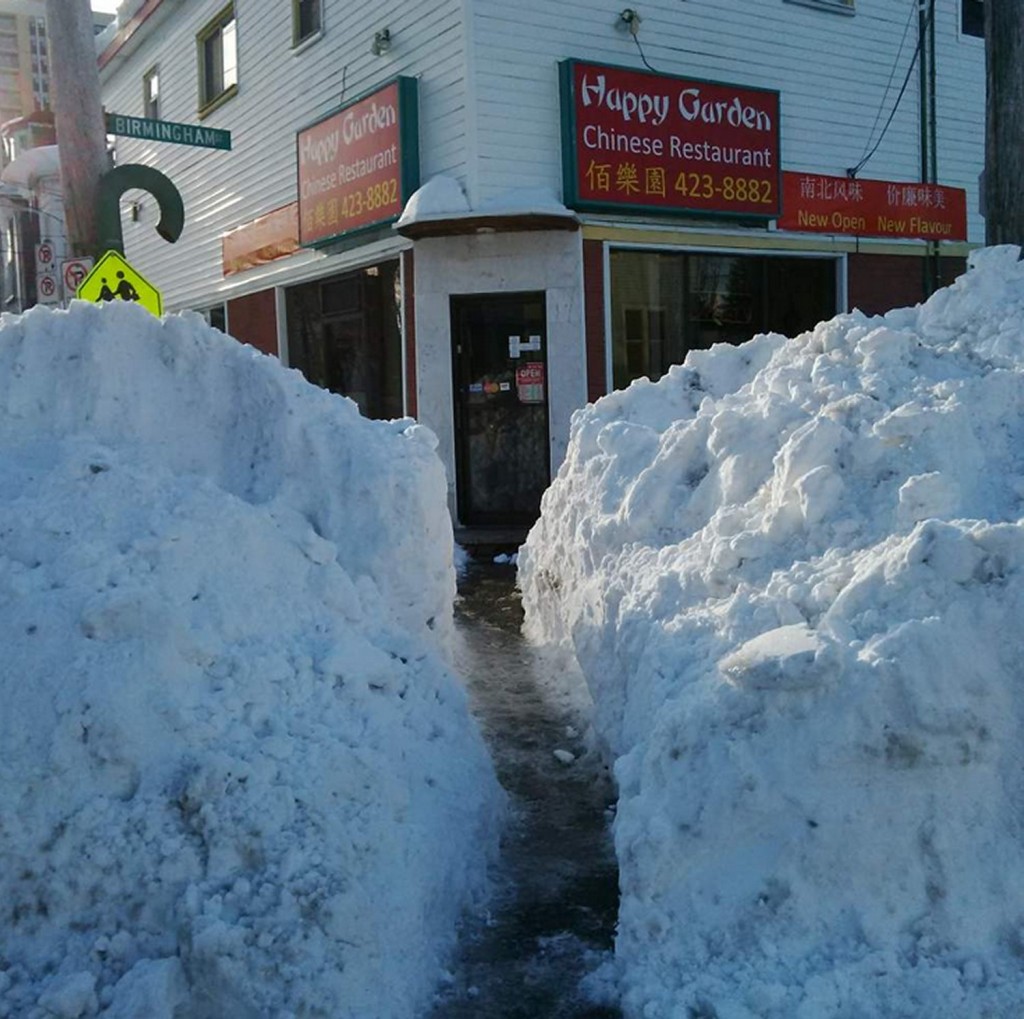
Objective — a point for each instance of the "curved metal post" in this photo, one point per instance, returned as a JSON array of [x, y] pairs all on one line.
[[116, 182]]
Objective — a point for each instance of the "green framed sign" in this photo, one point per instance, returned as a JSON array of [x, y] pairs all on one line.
[[638, 141], [167, 131], [359, 164]]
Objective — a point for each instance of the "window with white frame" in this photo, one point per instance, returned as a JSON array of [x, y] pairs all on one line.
[[307, 20], [217, 44], [151, 93]]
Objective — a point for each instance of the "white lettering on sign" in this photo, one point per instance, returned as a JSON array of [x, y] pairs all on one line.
[[719, 111], [165, 131], [610, 140], [320, 150], [643, 106], [377, 118]]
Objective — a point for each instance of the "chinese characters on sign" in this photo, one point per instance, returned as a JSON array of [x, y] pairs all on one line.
[[873, 208], [651, 142], [358, 166]]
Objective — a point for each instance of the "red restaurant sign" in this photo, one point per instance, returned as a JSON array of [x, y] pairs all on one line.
[[359, 165], [873, 208], [637, 141]]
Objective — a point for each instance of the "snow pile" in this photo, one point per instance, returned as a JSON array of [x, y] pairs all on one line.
[[237, 779], [793, 575]]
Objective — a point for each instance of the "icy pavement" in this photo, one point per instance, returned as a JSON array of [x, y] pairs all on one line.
[[553, 917]]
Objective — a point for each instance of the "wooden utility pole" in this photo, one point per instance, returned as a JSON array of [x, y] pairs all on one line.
[[1004, 122], [78, 118]]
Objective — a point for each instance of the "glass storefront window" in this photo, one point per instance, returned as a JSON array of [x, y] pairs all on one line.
[[345, 334], [665, 304]]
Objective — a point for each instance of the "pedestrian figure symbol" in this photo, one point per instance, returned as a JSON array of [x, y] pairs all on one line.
[[124, 292], [113, 279]]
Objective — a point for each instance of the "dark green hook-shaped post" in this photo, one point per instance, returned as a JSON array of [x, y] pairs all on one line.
[[116, 182]]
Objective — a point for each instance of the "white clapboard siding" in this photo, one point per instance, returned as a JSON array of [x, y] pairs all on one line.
[[280, 91], [489, 104], [834, 72], [960, 107]]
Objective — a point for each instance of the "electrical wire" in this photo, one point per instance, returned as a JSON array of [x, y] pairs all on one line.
[[892, 74], [854, 170], [643, 56]]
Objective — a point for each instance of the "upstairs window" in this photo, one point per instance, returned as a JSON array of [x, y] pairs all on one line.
[[972, 18], [151, 94], [307, 20], [217, 45]]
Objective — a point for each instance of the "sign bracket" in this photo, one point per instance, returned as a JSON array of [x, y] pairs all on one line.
[[115, 182]]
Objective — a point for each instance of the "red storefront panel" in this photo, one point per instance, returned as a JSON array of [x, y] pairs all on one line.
[[253, 320], [817, 203]]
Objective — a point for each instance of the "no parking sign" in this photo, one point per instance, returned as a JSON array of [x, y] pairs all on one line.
[[47, 289]]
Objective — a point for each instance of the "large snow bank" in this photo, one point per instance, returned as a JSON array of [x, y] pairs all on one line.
[[236, 778], [793, 574]]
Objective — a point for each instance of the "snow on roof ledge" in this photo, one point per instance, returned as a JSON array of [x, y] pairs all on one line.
[[32, 164], [440, 207], [441, 197]]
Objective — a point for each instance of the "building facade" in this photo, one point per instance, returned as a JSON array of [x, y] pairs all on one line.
[[485, 215]]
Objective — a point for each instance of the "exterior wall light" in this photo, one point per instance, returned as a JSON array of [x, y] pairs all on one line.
[[381, 42], [631, 19]]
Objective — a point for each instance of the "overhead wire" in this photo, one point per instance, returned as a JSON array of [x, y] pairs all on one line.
[[892, 74], [643, 56], [854, 170]]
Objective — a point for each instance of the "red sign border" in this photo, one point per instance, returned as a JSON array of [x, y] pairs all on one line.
[[570, 157], [408, 160]]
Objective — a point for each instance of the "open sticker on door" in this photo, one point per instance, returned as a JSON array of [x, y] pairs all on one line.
[[530, 382]]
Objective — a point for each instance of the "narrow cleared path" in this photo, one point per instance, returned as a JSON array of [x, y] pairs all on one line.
[[553, 917]]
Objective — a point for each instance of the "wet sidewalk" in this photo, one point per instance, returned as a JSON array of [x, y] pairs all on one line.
[[553, 917]]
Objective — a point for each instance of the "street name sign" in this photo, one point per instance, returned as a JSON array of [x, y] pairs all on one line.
[[168, 131], [113, 279]]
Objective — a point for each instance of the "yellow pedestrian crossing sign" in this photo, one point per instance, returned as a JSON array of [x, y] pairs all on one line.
[[113, 279]]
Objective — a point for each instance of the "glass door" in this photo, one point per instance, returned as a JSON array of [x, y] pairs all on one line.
[[499, 350]]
